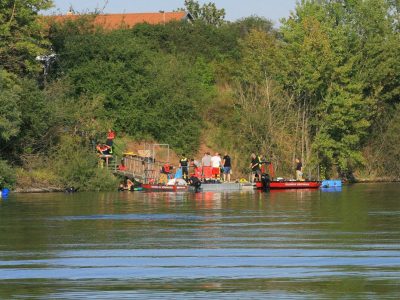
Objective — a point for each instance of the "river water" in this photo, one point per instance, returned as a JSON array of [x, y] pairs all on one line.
[[249, 245]]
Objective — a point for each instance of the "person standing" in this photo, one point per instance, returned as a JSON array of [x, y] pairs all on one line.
[[196, 168], [216, 164], [206, 164], [255, 167], [110, 138], [184, 164], [194, 163], [227, 167], [263, 163], [299, 170], [206, 160], [165, 173]]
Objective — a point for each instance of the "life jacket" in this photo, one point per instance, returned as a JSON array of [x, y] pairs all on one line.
[[167, 168], [102, 148], [111, 135], [184, 162], [260, 163], [271, 170]]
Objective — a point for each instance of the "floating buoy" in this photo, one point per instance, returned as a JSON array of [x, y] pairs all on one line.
[[4, 193], [331, 184]]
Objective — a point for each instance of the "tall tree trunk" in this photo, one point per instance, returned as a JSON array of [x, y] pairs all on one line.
[[303, 130], [296, 136]]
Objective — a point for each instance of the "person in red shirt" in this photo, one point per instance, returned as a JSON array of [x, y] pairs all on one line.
[[110, 137], [122, 166]]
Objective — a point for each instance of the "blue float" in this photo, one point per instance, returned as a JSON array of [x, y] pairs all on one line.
[[331, 184], [4, 193]]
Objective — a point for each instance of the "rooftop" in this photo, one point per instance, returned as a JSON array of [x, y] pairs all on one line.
[[128, 20]]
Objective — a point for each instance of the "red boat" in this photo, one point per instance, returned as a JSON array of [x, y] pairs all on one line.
[[165, 188], [291, 185]]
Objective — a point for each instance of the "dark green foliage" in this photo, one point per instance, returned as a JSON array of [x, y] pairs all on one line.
[[10, 115], [384, 152], [21, 36], [343, 128], [26, 116], [146, 91], [390, 145], [194, 40], [59, 31], [77, 165], [7, 175], [207, 13], [36, 117], [261, 24], [343, 67]]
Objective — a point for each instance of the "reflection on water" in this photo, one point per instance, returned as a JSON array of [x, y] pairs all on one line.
[[284, 244]]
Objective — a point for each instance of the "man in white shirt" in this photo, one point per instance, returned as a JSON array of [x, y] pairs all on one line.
[[216, 163]]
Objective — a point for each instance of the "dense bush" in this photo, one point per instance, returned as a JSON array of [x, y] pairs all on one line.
[[77, 165], [146, 92], [7, 175]]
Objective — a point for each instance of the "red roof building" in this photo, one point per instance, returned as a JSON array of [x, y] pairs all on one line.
[[116, 21]]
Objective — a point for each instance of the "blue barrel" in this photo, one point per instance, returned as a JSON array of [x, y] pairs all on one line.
[[331, 183], [5, 192]]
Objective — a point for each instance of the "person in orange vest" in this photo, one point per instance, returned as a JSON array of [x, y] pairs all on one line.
[[110, 138], [166, 171], [122, 166]]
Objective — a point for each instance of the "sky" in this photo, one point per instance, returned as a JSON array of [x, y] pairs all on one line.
[[235, 9]]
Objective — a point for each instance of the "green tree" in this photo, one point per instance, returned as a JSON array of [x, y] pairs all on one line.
[[149, 93], [194, 40], [36, 119], [21, 34], [248, 24], [10, 114], [341, 65], [261, 57], [7, 175], [344, 124], [264, 115], [77, 165], [208, 12], [386, 144]]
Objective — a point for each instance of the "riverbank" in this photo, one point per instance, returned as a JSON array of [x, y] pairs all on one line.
[[38, 190], [52, 189], [378, 180]]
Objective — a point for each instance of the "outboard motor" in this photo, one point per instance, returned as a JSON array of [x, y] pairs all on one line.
[[196, 183], [265, 180]]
